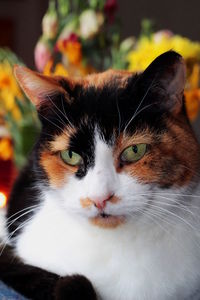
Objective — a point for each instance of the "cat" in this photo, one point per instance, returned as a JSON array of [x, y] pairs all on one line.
[[108, 204]]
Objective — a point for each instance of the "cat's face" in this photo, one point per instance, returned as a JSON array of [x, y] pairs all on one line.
[[112, 141]]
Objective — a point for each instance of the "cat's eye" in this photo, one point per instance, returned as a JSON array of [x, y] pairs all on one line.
[[133, 153], [71, 158]]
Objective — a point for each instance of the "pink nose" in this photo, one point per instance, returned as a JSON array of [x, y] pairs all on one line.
[[100, 204]]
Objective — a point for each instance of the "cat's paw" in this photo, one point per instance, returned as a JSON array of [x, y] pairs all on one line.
[[74, 288]]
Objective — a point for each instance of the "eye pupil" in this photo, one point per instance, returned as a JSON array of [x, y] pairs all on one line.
[[135, 149], [70, 153]]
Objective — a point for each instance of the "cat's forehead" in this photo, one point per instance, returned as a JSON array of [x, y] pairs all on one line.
[[100, 80]]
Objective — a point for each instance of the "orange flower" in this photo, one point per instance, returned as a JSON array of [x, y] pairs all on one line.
[[6, 149], [71, 49], [73, 52], [5, 81], [192, 101]]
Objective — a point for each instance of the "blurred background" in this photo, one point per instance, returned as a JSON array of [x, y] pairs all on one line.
[[75, 38], [20, 21]]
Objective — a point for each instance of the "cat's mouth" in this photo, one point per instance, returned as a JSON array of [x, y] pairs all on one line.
[[107, 221]]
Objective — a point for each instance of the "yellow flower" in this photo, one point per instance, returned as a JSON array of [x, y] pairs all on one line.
[[59, 69], [48, 68], [6, 149], [9, 90], [148, 49], [7, 79]]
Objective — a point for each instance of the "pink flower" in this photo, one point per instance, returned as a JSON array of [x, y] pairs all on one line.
[[159, 35], [42, 55], [110, 9]]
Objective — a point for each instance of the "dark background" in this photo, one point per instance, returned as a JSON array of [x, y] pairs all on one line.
[[20, 20]]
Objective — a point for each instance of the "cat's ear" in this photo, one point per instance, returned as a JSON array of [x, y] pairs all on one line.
[[38, 88], [167, 76]]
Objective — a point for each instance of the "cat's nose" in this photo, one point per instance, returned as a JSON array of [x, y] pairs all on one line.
[[100, 203]]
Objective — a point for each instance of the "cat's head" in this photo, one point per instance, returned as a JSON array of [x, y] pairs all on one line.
[[111, 142]]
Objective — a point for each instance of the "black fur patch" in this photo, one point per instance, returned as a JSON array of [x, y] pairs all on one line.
[[37, 284]]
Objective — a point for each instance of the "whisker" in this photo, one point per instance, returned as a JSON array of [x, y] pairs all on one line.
[[65, 115], [25, 213], [61, 120], [174, 215], [10, 235], [53, 123], [119, 125], [143, 98], [19, 211]]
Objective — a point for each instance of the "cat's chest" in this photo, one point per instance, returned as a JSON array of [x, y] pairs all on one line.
[[120, 263]]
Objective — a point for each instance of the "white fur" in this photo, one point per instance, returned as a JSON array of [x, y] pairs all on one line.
[[148, 257]]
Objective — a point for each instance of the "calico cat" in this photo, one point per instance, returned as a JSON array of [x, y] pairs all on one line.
[[108, 205]]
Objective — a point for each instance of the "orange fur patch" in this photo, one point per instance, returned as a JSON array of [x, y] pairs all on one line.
[[114, 199], [173, 157], [61, 142], [86, 202], [56, 170], [99, 80], [109, 223]]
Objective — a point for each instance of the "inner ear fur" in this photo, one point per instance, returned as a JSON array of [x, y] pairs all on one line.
[[38, 87]]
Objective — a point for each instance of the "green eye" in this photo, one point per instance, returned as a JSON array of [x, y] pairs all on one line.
[[71, 158], [133, 153]]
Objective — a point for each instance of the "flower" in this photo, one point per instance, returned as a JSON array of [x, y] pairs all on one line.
[[6, 149], [148, 49], [90, 23], [59, 69], [192, 102], [127, 44], [110, 9], [9, 90], [192, 93], [50, 26], [50, 22], [69, 28], [7, 79], [158, 36], [42, 54], [71, 48]]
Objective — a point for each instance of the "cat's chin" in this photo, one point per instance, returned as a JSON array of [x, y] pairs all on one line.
[[107, 221]]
